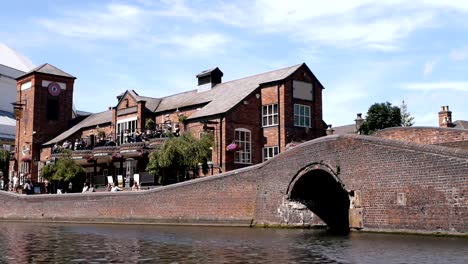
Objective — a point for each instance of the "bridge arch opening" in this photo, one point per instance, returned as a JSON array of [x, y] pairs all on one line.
[[324, 195]]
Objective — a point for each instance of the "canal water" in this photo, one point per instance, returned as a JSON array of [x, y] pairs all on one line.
[[81, 243]]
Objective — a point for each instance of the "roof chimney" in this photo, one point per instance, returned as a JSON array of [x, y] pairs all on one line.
[[208, 79], [445, 117]]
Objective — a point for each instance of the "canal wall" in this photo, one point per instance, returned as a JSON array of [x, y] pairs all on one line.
[[228, 199], [392, 186]]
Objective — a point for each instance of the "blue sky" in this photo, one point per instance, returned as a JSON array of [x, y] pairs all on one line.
[[362, 51]]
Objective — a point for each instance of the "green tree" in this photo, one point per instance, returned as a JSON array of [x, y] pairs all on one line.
[[178, 155], [380, 116], [65, 170], [406, 119], [4, 161]]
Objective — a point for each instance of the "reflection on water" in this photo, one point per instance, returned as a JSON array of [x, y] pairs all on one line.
[[67, 243]]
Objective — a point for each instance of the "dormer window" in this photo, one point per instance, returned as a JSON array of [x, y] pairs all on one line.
[[208, 79]]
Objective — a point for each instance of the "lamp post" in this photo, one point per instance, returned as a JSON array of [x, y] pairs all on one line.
[[359, 121]]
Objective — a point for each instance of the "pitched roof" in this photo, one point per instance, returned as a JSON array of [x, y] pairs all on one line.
[[92, 120], [7, 125], [47, 69], [461, 124], [151, 102], [13, 59], [208, 72], [222, 97]]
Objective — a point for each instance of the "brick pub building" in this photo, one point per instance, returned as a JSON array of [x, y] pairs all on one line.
[[252, 119]]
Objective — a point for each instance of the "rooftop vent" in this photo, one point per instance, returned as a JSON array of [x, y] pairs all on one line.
[[208, 79]]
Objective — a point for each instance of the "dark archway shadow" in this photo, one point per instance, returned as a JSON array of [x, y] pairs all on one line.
[[324, 195]]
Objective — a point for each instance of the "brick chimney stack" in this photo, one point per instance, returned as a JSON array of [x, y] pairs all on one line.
[[445, 117]]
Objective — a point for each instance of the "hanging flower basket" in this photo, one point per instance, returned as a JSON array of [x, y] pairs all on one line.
[[233, 147], [90, 159], [117, 157], [26, 159]]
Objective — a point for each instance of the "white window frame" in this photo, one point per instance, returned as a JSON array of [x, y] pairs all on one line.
[[302, 116], [122, 125], [243, 138], [269, 116], [270, 152]]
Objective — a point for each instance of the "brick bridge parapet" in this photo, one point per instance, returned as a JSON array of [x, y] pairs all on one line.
[[395, 186]]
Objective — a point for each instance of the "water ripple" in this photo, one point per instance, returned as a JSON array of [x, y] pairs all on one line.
[[67, 243]]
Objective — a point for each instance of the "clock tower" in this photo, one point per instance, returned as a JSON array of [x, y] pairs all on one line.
[[43, 109]]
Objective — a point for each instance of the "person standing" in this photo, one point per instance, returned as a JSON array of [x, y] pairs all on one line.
[[85, 187], [15, 183], [28, 187]]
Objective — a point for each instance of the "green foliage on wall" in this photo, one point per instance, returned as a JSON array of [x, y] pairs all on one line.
[[65, 169], [179, 155]]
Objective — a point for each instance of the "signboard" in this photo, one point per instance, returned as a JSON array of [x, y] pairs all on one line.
[[120, 180], [136, 178], [110, 179]]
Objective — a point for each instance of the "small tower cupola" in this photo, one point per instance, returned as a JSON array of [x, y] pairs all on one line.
[[208, 79]]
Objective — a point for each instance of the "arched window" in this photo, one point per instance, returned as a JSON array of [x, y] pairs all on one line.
[[243, 140]]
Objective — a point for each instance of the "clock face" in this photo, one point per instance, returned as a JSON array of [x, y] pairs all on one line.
[[54, 89]]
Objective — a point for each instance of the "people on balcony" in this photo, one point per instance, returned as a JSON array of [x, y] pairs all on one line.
[[67, 145]]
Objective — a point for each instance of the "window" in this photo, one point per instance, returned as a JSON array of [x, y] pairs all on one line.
[[242, 139], [24, 167], [270, 152], [301, 115], [270, 115], [124, 129], [52, 108]]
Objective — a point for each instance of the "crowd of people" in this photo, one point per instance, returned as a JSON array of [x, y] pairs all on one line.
[[78, 144], [26, 187], [161, 131], [111, 187], [142, 136]]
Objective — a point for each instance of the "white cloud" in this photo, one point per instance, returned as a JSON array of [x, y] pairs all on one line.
[[366, 24], [115, 21], [459, 55], [429, 67], [198, 44], [360, 23], [434, 86]]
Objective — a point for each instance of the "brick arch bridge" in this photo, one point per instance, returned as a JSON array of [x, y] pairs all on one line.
[[359, 181]]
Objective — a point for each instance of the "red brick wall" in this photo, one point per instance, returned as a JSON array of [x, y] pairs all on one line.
[[221, 204], [432, 179], [246, 115], [34, 127], [427, 135]]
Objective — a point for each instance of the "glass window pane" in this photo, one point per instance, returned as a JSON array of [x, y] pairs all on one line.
[[275, 120], [296, 120], [264, 121], [275, 108], [307, 122], [302, 110], [270, 120]]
